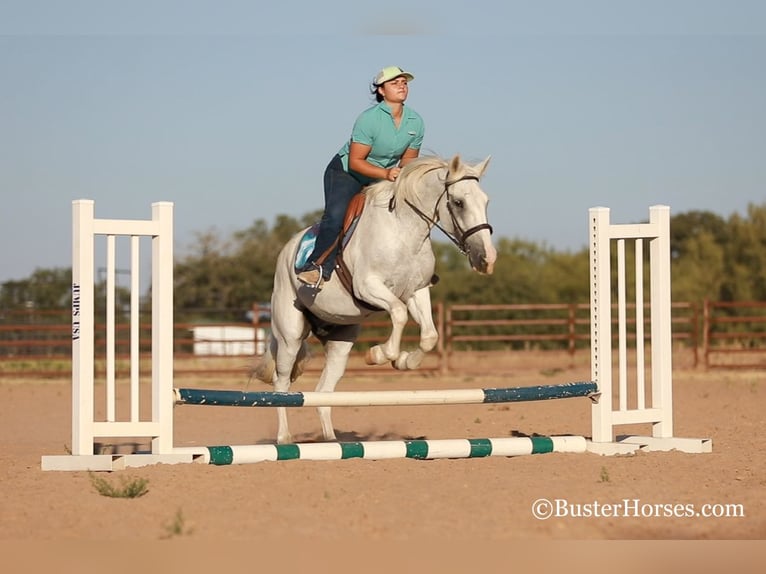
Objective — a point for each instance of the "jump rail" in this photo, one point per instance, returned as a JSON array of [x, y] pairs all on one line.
[[379, 450], [648, 402], [384, 398]]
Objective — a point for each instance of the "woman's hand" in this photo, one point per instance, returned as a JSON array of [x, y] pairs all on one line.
[[392, 173]]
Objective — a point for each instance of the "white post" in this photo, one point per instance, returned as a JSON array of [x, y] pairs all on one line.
[[111, 330], [83, 362], [661, 317], [601, 323], [135, 328], [162, 327]]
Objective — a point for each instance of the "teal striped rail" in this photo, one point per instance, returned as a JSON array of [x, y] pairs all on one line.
[[379, 450], [384, 398]]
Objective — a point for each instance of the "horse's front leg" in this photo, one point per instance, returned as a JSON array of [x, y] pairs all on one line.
[[419, 306], [375, 292]]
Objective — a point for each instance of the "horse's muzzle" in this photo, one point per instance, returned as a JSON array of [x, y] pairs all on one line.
[[483, 259]]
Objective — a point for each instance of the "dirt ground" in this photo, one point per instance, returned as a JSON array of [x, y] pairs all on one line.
[[488, 499]]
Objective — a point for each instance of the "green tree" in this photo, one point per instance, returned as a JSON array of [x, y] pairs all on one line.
[[524, 273], [700, 273], [690, 224], [746, 257], [44, 289], [203, 280], [233, 273]]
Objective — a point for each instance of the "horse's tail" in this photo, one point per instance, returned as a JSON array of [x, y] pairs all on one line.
[[265, 370]]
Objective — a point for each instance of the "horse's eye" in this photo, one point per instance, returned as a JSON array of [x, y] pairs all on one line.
[[458, 203]]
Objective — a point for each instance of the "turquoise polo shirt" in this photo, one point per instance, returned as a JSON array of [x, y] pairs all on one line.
[[375, 127]]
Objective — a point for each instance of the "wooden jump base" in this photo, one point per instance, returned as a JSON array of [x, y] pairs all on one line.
[[384, 398], [648, 401], [380, 450]]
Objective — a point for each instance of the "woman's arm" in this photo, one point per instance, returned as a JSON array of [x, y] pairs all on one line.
[[408, 155], [357, 161]]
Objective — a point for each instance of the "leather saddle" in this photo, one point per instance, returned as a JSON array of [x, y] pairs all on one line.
[[353, 213]]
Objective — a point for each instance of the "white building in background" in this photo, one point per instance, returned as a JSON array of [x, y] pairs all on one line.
[[228, 340]]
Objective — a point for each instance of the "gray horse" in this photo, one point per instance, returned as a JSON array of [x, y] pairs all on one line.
[[391, 262]]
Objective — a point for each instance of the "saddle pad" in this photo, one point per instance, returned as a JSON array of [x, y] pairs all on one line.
[[306, 246], [308, 241]]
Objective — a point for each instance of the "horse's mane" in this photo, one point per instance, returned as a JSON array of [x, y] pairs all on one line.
[[405, 186]]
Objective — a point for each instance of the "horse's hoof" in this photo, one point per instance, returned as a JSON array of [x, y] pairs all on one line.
[[401, 361], [287, 439], [408, 361], [374, 356]]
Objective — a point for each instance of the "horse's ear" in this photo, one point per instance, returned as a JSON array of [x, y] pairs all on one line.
[[454, 164], [482, 166]]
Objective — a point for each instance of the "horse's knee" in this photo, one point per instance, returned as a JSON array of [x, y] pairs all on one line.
[[428, 341], [398, 314]]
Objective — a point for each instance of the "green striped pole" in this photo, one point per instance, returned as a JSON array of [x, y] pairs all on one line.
[[379, 450], [384, 398]]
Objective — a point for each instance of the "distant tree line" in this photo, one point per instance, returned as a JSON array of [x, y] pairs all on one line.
[[722, 259]]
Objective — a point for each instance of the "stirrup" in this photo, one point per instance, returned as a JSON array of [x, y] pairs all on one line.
[[317, 284]]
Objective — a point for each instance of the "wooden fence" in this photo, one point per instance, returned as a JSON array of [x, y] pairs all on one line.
[[38, 343], [734, 334]]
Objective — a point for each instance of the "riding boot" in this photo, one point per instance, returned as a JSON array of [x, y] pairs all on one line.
[[339, 188]]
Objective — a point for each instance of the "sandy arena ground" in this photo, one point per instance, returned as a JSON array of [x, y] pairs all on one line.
[[398, 500]]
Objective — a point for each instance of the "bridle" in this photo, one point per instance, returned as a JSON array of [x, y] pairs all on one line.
[[462, 235]]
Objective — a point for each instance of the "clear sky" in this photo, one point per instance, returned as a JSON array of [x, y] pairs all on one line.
[[232, 109]]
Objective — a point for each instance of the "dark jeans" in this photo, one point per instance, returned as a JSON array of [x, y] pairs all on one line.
[[339, 188]]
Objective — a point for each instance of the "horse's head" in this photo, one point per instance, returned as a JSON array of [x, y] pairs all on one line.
[[462, 212], [447, 195]]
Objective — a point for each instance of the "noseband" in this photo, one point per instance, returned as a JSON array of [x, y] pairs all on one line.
[[461, 235]]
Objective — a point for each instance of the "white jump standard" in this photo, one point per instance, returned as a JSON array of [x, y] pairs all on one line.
[[659, 410], [648, 402]]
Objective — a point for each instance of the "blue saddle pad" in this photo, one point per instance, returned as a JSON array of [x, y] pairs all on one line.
[[309, 239], [306, 246]]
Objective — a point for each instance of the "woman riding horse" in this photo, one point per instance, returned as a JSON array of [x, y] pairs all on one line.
[[385, 138]]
